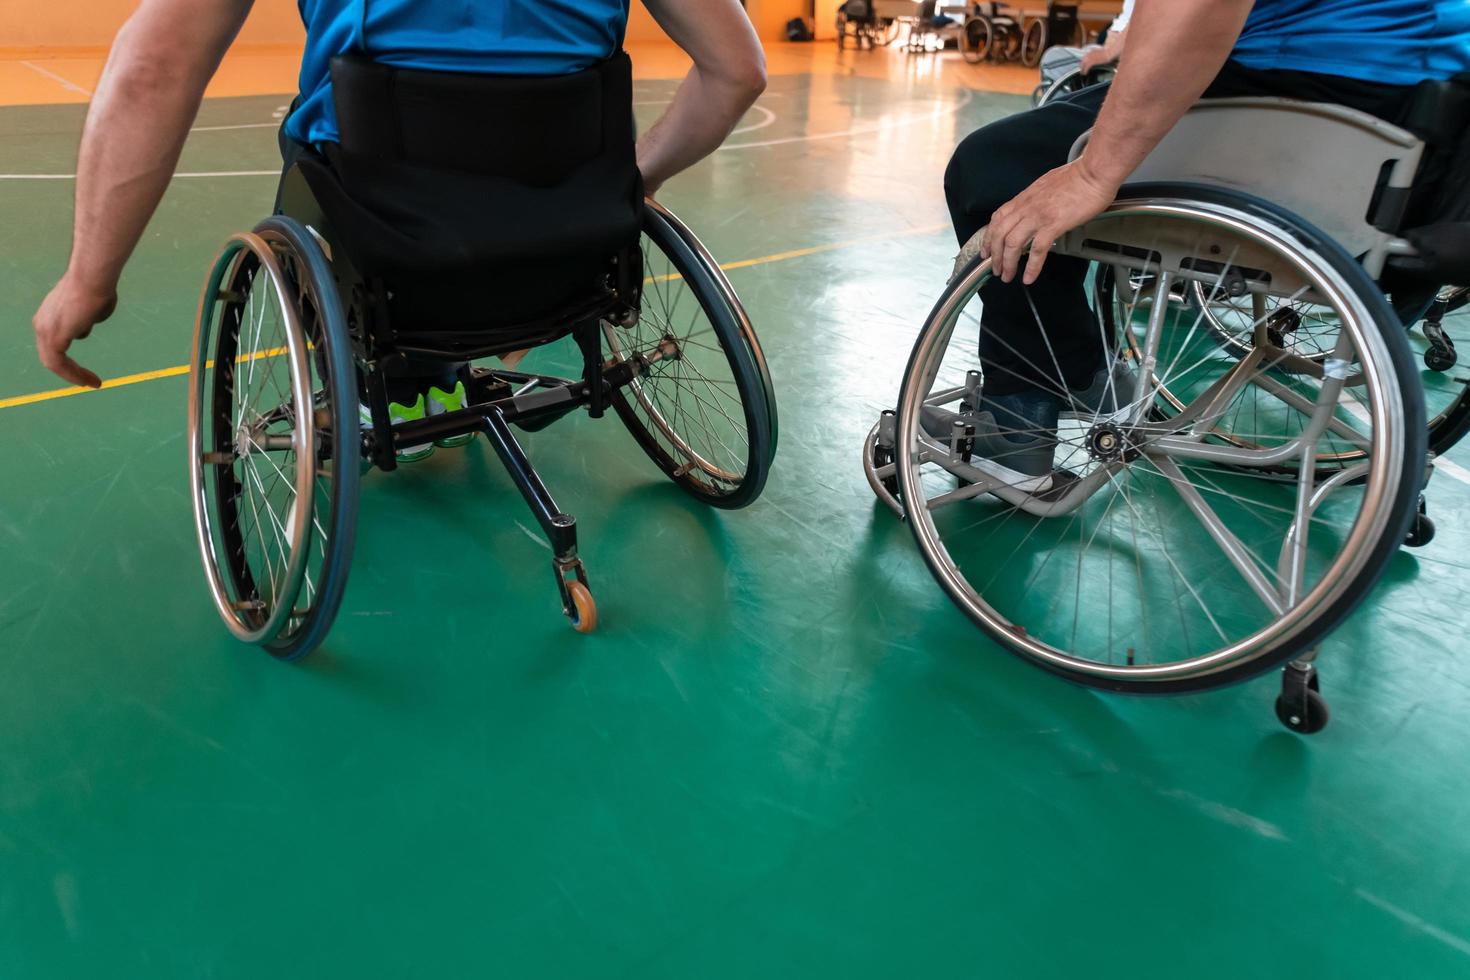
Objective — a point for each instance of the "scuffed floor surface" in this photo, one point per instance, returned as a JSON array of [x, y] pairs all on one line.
[[784, 754]]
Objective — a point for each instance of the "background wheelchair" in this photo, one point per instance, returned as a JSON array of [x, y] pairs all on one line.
[[453, 243], [993, 31], [1271, 438], [857, 20], [1065, 83]]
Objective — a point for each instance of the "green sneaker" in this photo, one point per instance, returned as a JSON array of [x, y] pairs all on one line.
[[440, 402], [402, 413]]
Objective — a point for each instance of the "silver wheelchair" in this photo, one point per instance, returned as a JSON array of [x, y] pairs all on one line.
[[1263, 455], [480, 239]]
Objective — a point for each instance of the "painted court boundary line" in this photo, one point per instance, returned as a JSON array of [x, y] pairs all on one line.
[[179, 370], [949, 109]]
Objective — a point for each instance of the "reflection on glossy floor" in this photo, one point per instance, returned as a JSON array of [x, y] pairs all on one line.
[[784, 754]]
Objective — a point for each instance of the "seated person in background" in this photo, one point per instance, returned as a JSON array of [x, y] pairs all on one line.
[[1061, 60], [1012, 177], [166, 53]]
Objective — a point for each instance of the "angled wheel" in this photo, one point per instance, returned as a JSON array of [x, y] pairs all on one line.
[[702, 406], [1132, 546], [273, 439], [1005, 42], [1033, 43], [975, 39]]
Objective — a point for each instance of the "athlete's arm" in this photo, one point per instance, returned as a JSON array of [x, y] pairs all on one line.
[[729, 73], [1175, 49], [146, 101]]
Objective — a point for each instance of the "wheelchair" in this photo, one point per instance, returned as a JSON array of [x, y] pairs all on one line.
[[931, 29], [448, 226], [1262, 456], [991, 31], [857, 20]]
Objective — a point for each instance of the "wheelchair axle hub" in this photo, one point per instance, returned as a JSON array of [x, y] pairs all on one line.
[[1110, 443], [1282, 324]]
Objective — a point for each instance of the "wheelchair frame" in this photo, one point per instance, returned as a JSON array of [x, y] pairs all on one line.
[[496, 399]]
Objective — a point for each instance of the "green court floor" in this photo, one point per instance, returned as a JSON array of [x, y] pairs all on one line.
[[784, 754]]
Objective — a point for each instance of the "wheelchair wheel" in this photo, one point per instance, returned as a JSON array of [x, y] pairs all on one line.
[[274, 439], [1033, 43], [1134, 549], [704, 409], [1006, 40], [975, 39]]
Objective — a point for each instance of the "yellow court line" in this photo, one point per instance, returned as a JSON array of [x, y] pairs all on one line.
[[128, 379], [181, 369]]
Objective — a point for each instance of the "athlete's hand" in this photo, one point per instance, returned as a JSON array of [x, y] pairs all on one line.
[[67, 314], [1105, 54], [1060, 201]]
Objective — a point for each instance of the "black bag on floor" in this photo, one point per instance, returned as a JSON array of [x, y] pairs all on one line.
[[797, 30]]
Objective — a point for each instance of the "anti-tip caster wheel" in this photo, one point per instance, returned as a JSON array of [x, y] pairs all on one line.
[[583, 613], [1301, 706], [1439, 359], [1421, 532]]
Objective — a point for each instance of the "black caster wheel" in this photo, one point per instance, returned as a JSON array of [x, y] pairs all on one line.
[[1301, 706], [1439, 359], [883, 456], [1421, 532]]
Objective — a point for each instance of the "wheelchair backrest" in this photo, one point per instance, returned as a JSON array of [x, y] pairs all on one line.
[[480, 203], [1344, 171]]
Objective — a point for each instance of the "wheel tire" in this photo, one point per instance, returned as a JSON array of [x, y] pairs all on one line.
[[1033, 43], [584, 608], [331, 340], [975, 40], [731, 329]]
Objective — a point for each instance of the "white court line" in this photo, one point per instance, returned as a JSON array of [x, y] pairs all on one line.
[[966, 98], [68, 85], [940, 112], [1452, 470], [201, 173], [770, 116], [216, 129]]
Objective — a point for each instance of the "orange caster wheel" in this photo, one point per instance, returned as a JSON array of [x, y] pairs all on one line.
[[583, 613]]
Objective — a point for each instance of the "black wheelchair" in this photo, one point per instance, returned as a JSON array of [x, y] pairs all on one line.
[[460, 217], [1269, 428]]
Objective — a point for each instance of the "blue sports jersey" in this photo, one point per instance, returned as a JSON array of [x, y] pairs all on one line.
[[510, 37], [1396, 42]]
